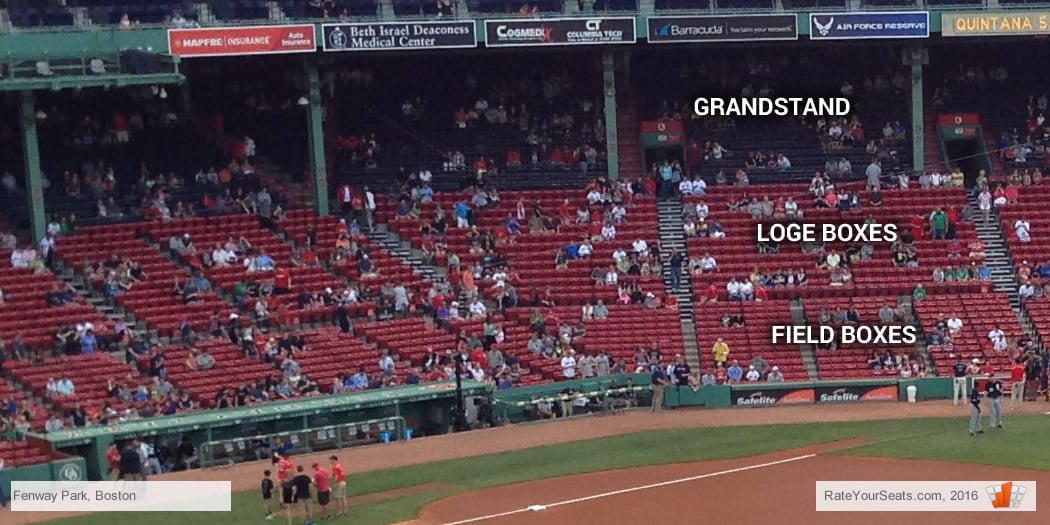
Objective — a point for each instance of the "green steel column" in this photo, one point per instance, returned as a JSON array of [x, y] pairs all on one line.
[[918, 133], [315, 124], [611, 141], [34, 178]]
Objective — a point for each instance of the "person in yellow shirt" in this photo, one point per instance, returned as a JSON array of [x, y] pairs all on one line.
[[721, 351]]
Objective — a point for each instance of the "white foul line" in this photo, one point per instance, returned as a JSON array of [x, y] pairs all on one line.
[[532, 508]]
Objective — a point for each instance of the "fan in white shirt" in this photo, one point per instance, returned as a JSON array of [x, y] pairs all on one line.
[[584, 250], [619, 254], [752, 374], [747, 290], [698, 187], [475, 371], [477, 309], [708, 263], [1022, 228], [619, 214], [609, 232], [685, 187], [425, 175], [733, 289], [641, 248], [955, 324], [612, 278], [568, 365], [594, 197], [702, 210], [1026, 291], [998, 339], [935, 179]]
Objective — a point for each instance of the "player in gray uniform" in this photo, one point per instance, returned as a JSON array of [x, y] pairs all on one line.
[[975, 412], [994, 391]]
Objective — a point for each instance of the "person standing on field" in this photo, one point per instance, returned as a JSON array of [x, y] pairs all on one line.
[[1016, 385], [975, 412], [339, 490], [322, 481], [266, 488], [301, 484], [994, 390], [959, 370], [659, 381]]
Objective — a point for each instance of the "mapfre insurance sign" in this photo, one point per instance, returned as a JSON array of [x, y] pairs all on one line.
[[248, 40]]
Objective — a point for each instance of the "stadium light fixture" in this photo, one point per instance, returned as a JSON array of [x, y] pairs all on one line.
[[303, 102]]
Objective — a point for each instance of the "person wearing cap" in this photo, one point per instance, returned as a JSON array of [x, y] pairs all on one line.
[[284, 471], [975, 412], [322, 481], [339, 489], [959, 380], [994, 390], [776, 376], [752, 374]]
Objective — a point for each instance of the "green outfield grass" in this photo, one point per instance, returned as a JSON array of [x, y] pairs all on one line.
[[934, 439]]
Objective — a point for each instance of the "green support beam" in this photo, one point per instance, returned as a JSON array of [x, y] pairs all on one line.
[[34, 178], [918, 131], [612, 142], [315, 125]]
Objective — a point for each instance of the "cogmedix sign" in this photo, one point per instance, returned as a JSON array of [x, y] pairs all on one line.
[[560, 31]]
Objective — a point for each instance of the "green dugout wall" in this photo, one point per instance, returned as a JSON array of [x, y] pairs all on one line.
[[510, 404], [425, 409]]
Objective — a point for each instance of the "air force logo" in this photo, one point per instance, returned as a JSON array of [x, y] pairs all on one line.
[[823, 29]]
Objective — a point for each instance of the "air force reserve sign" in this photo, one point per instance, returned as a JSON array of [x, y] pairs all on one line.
[[400, 36], [869, 25]]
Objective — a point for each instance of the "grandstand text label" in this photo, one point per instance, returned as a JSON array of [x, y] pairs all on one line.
[[845, 334], [772, 107], [825, 233]]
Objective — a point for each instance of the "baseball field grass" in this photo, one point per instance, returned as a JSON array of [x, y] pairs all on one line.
[[942, 439]]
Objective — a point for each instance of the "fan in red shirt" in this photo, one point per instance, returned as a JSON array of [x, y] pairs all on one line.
[[282, 281], [113, 457], [324, 489], [339, 492]]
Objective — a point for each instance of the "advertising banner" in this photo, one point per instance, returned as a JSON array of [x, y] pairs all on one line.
[[773, 396], [855, 393], [560, 31], [996, 23], [871, 25], [387, 36], [246, 40], [729, 28]]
